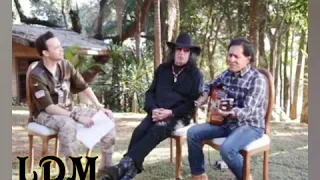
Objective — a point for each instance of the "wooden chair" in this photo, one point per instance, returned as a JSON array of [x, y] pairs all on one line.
[[260, 145], [36, 129], [179, 136]]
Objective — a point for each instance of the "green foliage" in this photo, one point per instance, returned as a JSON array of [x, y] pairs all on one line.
[[82, 63], [299, 12], [132, 78]]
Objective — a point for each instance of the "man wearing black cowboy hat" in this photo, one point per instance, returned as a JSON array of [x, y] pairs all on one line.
[[169, 103]]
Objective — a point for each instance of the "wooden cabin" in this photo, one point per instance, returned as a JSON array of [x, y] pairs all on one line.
[[24, 53]]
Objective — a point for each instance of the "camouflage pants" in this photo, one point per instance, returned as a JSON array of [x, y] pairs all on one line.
[[67, 132]]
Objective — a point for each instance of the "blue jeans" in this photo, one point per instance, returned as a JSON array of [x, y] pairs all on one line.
[[237, 138]]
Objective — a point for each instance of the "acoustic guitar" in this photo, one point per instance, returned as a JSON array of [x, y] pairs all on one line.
[[218, 100]]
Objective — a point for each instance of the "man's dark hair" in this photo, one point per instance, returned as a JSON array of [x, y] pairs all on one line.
[[246, 45], [40, 43]]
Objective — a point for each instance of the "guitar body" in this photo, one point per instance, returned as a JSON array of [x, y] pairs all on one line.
[[218, 100]]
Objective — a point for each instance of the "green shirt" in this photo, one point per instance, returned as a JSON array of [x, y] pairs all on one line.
[[47, 89]]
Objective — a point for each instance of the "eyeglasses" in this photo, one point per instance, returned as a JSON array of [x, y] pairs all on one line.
[[183, 49]]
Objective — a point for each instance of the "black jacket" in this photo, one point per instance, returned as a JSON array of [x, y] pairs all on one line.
[[179, 96]]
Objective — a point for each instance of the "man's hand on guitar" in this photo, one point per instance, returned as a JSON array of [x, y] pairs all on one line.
[[219, 112]]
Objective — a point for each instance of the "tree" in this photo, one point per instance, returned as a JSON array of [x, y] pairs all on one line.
[[304, 114], [157, 34], [294, 106], [253, 24]]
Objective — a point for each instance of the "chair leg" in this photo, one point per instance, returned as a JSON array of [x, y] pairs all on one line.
[[56, 149], [31, 153], [45, 143], [89, 152], [266, 165], [171, 151], [178, 157], [246, 166]]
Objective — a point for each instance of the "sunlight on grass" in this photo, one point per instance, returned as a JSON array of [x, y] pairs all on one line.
[[288, 134], [17, 128], [289, 151], [302, 148], [20, 112], [129, 115]]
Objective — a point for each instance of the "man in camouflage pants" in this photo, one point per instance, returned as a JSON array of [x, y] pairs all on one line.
[[52, 82]]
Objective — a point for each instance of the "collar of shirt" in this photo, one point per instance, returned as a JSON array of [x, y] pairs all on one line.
[[41, 63], [242, 72]]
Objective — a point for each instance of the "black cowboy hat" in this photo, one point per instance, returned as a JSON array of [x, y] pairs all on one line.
[[184, 41]]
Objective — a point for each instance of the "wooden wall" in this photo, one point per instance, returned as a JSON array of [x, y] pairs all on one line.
[[20, 56]]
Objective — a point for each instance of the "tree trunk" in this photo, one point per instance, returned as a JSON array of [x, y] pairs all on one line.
[[262, 54], [294, 107], [119, 10], [164, 28], [75, 20], [172, 18], [116, 76], [280, 72], [205, 39], [134, 103], [63, 13], [277, 76], [291, 80], [212, 50], [157, 34], [240, 19], [138, 32], [304, 114], [253, 25], [98, 33], [176, 30], [273, 55], [89, 75], [286, 79], [132, 28]]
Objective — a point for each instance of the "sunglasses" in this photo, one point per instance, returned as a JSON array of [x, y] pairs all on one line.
[[183, 49]]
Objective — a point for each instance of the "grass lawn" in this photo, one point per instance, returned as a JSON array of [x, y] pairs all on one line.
[[288, 156]]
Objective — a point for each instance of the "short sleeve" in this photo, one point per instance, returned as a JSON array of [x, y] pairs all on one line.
[[78, 83]]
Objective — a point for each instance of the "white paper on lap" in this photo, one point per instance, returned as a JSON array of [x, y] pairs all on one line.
[[91, 136]]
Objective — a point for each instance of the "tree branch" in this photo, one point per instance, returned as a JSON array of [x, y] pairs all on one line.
[[132, 28], [34, 20]]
